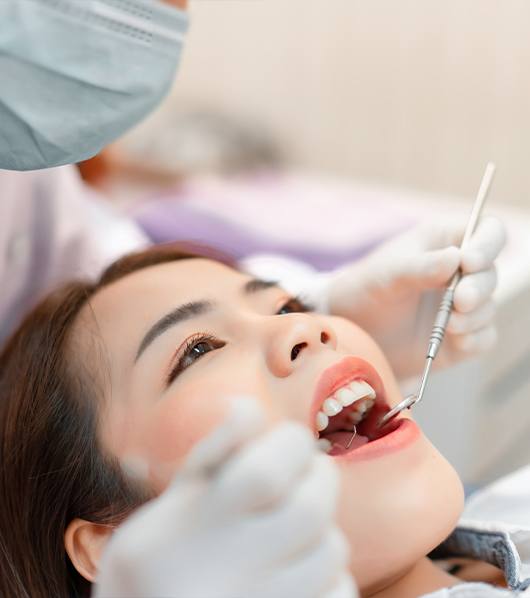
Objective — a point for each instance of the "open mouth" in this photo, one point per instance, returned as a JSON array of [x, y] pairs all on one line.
[[350, 401]]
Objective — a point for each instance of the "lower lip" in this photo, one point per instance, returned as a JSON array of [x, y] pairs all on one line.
[[405, 434]]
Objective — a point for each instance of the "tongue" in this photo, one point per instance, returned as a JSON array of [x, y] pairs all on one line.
[[341, 440]]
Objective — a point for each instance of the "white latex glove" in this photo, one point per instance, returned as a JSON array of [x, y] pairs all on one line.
[[250, 515], [394, 293]]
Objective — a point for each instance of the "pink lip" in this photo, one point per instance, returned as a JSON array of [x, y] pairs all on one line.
[[343, 372], [405, 431]]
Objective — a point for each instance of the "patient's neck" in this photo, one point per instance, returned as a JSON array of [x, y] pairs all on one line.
[[423, 578]]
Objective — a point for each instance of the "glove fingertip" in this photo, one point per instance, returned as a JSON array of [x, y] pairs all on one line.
[[344, 587], [449, 255], [244, 421], [135, 467], [466, 299], [441, 265], [473, 261]]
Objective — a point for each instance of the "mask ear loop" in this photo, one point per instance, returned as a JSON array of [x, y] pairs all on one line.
[[351, 439]]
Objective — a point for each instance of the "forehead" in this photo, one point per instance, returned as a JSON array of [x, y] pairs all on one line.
[[120, 313], [147, 291]]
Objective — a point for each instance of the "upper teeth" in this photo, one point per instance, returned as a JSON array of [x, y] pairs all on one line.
[[331, 407], [358, 392]]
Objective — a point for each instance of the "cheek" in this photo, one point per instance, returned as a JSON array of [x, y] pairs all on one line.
[[188, 414], [180, 422], [353, 339]]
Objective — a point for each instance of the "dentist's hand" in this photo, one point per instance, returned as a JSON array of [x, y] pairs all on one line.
[[394, 293], [249, 515]]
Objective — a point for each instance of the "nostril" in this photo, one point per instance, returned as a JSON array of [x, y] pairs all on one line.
[[296, 350], [324, 338]]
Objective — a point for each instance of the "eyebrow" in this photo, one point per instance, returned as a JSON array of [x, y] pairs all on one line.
[[257, 284], [187, 311], [180, 314]]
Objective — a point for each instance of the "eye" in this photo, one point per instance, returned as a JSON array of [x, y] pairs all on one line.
[[294, 305], [194, 348], [199, 349]]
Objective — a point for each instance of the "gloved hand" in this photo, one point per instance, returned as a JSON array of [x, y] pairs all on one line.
[[394, 293], [249, 515]]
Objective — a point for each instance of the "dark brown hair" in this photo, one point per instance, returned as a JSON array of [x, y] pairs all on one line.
[[52, 468]]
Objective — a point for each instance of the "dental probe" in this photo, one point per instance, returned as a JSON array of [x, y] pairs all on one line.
[[446, 304]]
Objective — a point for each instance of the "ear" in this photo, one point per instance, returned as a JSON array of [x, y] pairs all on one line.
[[84, 542]]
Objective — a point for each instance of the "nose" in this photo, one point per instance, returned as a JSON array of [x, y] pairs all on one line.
[[294, 338]]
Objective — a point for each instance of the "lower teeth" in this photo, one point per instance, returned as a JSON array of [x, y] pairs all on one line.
[[324, 445]]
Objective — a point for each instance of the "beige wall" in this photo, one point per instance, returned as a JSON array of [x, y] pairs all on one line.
[[419, 93]]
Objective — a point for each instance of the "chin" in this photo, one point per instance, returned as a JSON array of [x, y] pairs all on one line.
[[396, 510]]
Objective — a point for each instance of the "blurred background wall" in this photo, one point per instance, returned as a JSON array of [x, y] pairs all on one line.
[[413, 93]]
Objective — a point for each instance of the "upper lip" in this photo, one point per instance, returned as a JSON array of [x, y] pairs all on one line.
[[340, 374]]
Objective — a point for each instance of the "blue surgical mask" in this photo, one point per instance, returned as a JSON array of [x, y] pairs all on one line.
[[76, 74]]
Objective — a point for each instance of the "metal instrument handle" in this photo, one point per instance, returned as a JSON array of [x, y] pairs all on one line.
[[441, 321], [446, 305]]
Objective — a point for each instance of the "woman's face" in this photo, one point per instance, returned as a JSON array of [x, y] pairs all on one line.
[[183, 338]]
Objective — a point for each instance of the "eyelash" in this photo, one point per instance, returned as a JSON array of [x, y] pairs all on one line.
[[300, 306]]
